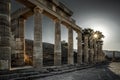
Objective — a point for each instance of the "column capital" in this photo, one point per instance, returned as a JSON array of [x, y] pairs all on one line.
[[79, 35], [38, 10], [57, 20], [79, 32], [70, 28]]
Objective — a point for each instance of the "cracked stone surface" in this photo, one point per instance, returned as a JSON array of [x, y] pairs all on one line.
[[105, 72]]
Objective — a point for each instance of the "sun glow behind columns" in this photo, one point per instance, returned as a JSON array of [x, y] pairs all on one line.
[[104, 31], [95, 36], [98, 23]]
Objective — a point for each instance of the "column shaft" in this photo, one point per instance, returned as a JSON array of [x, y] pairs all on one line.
[[91, 55], [95, 51], [98, 51], [21, 40], [91, 50], [57, 47], [38, 50], [86, 48], [101, 52], [5, 47], [79, 55], [70, 46]]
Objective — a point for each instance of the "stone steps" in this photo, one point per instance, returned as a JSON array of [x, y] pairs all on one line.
[[16, 75], [6, 75], [2, 72], [30, 74]]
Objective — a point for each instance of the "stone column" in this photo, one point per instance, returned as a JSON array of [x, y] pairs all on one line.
[[37, 49], [86, 48], [21, 34], [57, 47], [70, 46], [98, 51], [91, 51], [79, 55], [95, 51], [5, 47], [101, 51], [91, 55]]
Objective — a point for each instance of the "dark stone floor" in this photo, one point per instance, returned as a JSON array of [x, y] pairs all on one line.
[[105, 72]]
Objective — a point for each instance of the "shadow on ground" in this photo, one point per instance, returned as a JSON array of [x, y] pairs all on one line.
[[107, 73]]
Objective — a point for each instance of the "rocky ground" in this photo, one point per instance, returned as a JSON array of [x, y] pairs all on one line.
[[105, 72]]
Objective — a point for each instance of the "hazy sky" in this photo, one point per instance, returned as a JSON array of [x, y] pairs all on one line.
[[102, 15]]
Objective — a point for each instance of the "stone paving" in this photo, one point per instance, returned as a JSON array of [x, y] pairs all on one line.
[[105, 72], [115, 67]]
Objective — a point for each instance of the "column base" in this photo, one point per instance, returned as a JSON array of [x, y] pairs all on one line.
[[4, 65]]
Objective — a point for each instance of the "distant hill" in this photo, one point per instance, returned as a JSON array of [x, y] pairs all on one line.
[[110, 53]]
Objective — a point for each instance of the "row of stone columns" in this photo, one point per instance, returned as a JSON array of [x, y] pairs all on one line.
[[90, 52], [38, 49], [38, 54], [97, 51]]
